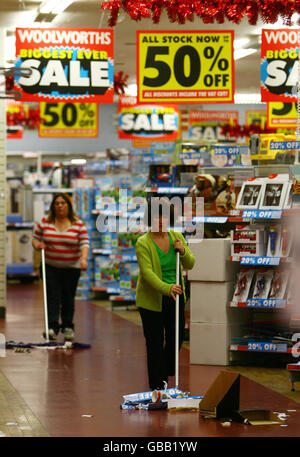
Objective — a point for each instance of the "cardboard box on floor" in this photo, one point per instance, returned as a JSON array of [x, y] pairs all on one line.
[[222, 401]]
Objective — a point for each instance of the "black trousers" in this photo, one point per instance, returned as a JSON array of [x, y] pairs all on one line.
[[159, 332], [61, 286]]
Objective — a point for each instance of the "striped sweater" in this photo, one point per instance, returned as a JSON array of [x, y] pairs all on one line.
[[63, 249]]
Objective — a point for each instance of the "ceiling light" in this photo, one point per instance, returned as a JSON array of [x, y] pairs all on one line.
[[131, 89], [240, 43], [54, 6], [247, 98], [240, 53]]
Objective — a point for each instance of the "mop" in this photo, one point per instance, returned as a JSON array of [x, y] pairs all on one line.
[[172, 398], [49, 344]]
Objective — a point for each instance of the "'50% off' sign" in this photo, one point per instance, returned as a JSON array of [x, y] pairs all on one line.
[[68, 120], [194, 66]]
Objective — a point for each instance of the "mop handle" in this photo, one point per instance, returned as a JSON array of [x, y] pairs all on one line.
[[45, 294], [177, 322]]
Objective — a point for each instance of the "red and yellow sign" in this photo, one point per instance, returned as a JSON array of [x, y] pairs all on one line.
[[185, 66], [153, 122], [68, 120], [207, 125], [65, 65], [279, 65], [282, 115]]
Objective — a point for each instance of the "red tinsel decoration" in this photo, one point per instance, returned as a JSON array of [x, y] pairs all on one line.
[[120, 80], [208, 10], [9, 83], [31, 119], [241, 131]]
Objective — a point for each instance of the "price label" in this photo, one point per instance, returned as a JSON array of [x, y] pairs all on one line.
[[68, 120], [261, 214], [256, 260], [265, 303], [267, 347], [193, 66], [284, 145]]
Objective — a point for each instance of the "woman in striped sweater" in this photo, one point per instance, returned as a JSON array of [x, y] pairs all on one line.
[[66, 243]]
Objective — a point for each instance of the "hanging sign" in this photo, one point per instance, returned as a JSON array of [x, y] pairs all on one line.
[[279, 65], [68, 120], [185, 66], [282, 115], [65, 65], [155, 122], [207, 125]]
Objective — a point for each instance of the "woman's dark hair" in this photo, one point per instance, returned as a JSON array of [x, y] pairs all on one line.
[[71, 214], [159, 207]]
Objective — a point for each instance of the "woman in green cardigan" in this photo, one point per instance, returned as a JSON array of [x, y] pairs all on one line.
[[157, 290]]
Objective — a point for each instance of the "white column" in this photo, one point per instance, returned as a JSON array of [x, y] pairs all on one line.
[[2, 185]]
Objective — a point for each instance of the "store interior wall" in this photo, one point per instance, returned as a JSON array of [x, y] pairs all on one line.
[[108, 136]]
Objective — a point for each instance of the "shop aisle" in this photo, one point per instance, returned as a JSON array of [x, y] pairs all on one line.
[[77, 393]]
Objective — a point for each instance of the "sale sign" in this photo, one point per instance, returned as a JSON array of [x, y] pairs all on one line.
[[207, 125], [68, 120], [279, 65], [154, 122], [282, 115], [185, 66], [65, 65]]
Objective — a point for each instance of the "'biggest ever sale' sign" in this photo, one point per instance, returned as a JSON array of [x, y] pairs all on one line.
[[279, 65], [65, 64]]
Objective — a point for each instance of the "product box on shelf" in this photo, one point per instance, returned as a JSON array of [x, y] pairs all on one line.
[[162, 175], [84, 284], [84, 294], [109, 240], [280, 241], [243, 285], [212, 260], [279, 287], [22, 251], [248, 234], [245, 249], [129, 273], [106, 269], [262, 283]]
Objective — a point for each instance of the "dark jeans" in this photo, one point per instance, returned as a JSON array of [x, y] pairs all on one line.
[[61, 289], [159, 332]]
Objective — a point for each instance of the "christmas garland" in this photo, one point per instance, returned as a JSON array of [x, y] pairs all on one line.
[[209, 11], [240, 131]]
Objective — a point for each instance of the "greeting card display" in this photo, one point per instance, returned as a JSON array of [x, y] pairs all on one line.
[[273, 195], [243, 285], [279, 284], [250, 195], [262, 285]]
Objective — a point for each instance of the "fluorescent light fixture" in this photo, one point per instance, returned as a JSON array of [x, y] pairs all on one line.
[[54, 6], [240, 43], [247, 98], [131, 89], [78, 161], [240, 53]]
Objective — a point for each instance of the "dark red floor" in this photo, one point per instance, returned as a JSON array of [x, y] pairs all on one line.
[[60, 387]]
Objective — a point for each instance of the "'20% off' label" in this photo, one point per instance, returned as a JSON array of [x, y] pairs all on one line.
[[185, 66]]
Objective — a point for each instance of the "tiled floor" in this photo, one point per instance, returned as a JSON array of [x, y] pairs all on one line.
[[78, 392]]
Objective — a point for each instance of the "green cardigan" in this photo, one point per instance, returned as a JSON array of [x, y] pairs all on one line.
[[150, 287]]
